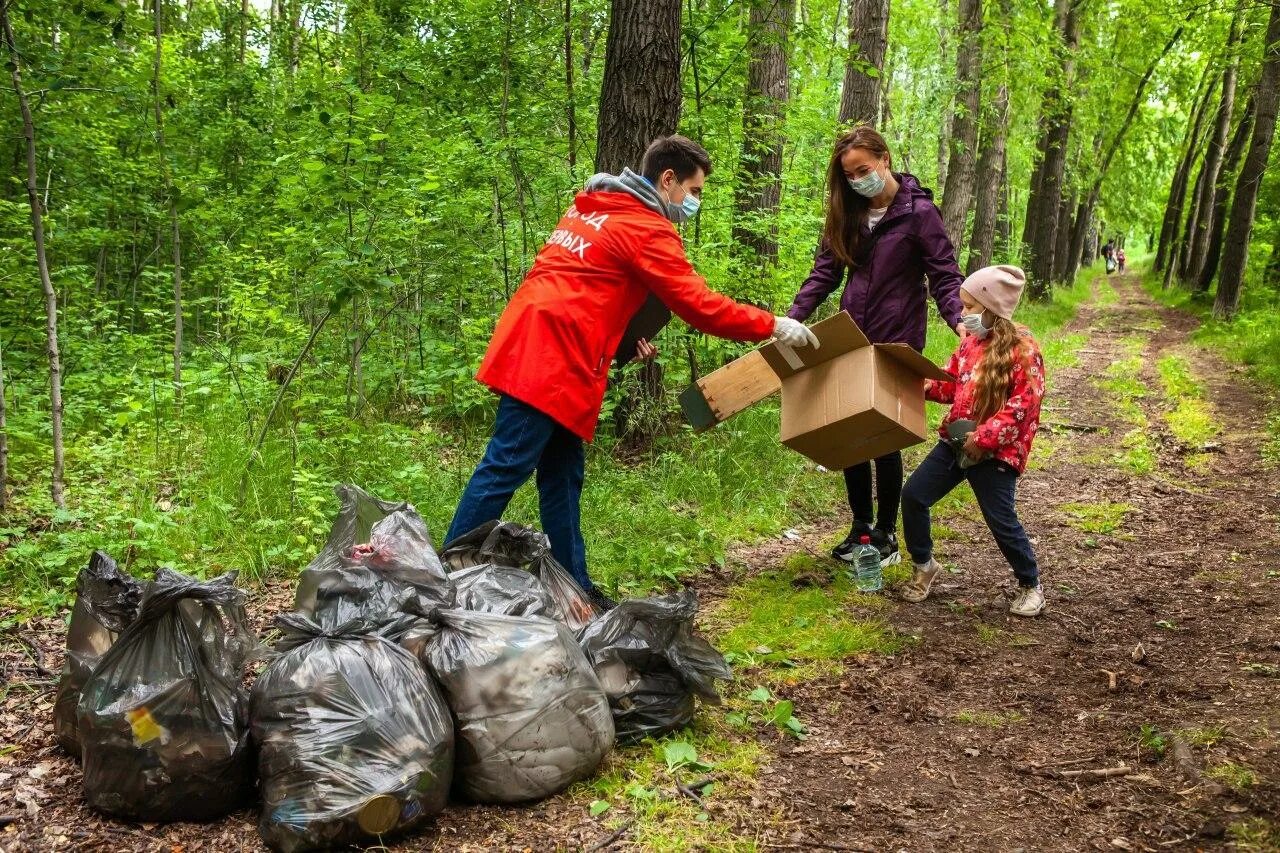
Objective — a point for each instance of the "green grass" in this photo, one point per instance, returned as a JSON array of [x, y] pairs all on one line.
[[1096, 517], [1255, 834], [987, 719], [1233, 775], [770, 617], [1202, 737], [1191, 418]]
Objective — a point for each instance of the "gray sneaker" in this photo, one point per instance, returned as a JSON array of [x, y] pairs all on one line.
[[1029, 601], [918, 588]]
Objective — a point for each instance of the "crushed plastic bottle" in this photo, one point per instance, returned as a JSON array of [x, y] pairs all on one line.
[[865, 571]]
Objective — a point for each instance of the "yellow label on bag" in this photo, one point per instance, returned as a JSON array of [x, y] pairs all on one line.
[[145, 727]]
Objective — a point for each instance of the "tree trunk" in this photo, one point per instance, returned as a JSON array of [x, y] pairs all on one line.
[[868, 39], [1193, 216], [1240, 229], [639, 101], [1166, 251], [957, 192], [1222, 196], [1058, 113], [990, 170], [569, 106], [1198, 244], [1062, 246], [244, 27], [42, 261], [641, 93], [167, 183], [759, 190]]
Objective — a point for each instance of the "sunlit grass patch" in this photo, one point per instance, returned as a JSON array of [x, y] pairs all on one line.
[[1256, 835], [1202, 736], [1096, 517], [987, 719], [1233, 775]]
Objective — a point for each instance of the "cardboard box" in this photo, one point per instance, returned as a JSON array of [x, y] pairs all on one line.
[[843, 403]]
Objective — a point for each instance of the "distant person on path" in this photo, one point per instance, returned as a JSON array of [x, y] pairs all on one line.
[[882, 238], [986, 437], [1120, 259], [550, 353], [1109, 254]]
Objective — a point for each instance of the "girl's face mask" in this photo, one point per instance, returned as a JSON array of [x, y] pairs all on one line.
[[973, 324]]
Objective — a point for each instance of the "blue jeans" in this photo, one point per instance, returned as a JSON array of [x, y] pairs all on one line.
[[524, 440], [994, 484]]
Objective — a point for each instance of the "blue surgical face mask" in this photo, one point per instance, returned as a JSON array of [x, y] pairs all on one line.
[[869, 185], [973, 322], [690, 205]]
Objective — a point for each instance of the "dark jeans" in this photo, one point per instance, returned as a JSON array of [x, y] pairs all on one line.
[[857, 482], [524, 440], [994, 484]]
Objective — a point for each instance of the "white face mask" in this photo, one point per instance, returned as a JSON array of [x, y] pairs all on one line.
[[869, 185], [973, 323]]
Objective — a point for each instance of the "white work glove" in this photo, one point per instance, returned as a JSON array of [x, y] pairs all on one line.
[[793, 333]]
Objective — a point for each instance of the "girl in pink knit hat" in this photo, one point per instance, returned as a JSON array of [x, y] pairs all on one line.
[[998, 382]]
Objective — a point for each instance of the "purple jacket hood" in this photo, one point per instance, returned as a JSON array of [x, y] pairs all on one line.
[[886, 292]]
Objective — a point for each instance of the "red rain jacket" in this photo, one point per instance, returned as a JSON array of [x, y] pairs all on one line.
[[554, 342]]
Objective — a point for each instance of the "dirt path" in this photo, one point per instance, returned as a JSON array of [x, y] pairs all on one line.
[[1158, 658], [1170, 622]]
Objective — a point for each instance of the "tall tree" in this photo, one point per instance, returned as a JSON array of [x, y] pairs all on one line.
[[157, 91], [641, 95], [1266, 96], [1057, 114], [1198, 244], [42, 260], [1166, 248], [759, 189], [4, 440], [957, 193], [1222, 196], [864, 65], [991, 181]]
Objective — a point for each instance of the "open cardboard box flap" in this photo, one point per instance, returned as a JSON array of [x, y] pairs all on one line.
[[837, 335]]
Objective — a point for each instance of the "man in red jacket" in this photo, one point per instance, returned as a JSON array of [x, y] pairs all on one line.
[[550, 353]]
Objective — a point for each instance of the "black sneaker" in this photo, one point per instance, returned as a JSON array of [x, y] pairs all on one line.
[[602, 602], [844, 551], [887, 542]]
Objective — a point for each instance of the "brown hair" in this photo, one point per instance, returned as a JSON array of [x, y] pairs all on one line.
[[995, 370], [677, 153], [846, 210]]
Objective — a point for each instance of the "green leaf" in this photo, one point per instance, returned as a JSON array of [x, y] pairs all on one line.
[[599, 807], [679, 753], [760, 694]]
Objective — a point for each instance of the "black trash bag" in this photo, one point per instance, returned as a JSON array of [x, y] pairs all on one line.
[[106, 603], [395, 572], [355, 741], [358, 512], [509, 544], [650, 664], [163, 719], [531, 718], [509, 590]]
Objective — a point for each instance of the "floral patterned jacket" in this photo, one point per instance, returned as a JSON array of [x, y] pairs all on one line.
[[1006, 435]]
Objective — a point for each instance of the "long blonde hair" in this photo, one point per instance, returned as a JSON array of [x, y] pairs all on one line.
[[995, 370]]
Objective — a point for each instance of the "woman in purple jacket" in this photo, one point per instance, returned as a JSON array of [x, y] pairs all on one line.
[[883, 237]]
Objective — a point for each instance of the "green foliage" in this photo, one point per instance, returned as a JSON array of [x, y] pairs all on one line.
[[1096, 517]]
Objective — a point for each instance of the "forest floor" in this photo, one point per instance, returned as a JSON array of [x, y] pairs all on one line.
[[1140, 712]]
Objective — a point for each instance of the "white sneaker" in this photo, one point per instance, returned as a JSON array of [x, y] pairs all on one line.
[[917, 589], [1030, 601]]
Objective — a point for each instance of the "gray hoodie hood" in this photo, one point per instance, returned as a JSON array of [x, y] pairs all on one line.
[[639, 188]]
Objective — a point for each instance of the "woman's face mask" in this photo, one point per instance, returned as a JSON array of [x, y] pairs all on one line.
[[869, 185], [973, 324]]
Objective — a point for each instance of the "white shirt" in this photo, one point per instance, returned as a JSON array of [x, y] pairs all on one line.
[[874, 215]]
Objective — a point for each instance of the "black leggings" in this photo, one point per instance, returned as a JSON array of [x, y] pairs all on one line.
[[857, 482]]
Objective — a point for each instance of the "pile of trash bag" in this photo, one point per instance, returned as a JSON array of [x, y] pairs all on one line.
[[650, 664], [163, 718], [355, 741], [505, 543], [395, 572], [106, 603], [530, 715], [490, 588]]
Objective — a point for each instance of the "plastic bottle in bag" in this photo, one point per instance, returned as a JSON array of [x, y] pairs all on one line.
[[106, 603], [651, 665], [163, 719], [531, 717], [355, 741]]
